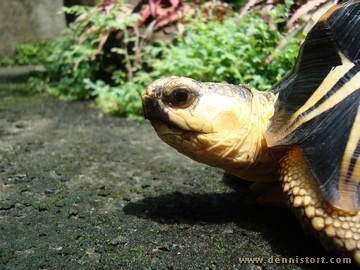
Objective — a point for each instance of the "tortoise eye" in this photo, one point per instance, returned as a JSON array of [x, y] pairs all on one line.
[[180, 97]]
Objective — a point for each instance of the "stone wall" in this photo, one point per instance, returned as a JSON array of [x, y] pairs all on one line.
[[28, 20]]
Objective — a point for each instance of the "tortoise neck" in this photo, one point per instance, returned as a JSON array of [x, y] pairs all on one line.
[[264, 164]]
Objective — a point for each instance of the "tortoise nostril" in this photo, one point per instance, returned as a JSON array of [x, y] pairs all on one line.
[[153, 109]]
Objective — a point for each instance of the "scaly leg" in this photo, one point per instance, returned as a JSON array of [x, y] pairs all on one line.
[[337, 230]]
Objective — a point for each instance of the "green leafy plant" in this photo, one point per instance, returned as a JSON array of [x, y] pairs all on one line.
[[105, 39], [7, 61], [77, 56], [29, 53], [33, 53], [211, 46], [232, 51], [67, 67], [210, 50], [123, 99]]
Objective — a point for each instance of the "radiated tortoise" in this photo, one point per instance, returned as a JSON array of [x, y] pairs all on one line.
[[303, 132]]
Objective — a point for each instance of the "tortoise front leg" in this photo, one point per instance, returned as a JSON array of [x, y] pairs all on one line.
[[336, 229]]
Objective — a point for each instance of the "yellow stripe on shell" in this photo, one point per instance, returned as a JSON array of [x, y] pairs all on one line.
[[333, 100], [348, 187], [330, 80], [328, 13]]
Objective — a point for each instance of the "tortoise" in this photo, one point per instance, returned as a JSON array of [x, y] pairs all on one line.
[[304, 132]]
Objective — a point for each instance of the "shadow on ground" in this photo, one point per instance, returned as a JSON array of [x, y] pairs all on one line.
[[278, 227]]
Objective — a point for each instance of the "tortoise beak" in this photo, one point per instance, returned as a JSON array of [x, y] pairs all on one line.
[[146, 103], [153, 107]]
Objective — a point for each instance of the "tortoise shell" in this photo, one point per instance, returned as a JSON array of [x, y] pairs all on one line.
[[318, 105]]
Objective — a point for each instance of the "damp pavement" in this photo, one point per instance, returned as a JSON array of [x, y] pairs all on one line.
[[81, 191]]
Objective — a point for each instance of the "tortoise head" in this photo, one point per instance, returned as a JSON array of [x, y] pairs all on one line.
[[214, 123]]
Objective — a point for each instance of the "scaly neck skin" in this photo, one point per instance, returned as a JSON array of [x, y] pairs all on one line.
[[254, 160]]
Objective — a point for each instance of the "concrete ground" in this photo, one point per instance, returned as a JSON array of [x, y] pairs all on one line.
[[79, 191]]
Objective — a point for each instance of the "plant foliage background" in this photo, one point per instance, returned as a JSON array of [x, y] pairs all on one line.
[[114, 50]]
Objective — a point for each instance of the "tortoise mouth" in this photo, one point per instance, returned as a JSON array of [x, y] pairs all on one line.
[[167, 128]]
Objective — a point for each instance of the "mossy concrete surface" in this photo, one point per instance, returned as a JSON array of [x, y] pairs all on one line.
[[79, 191]]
